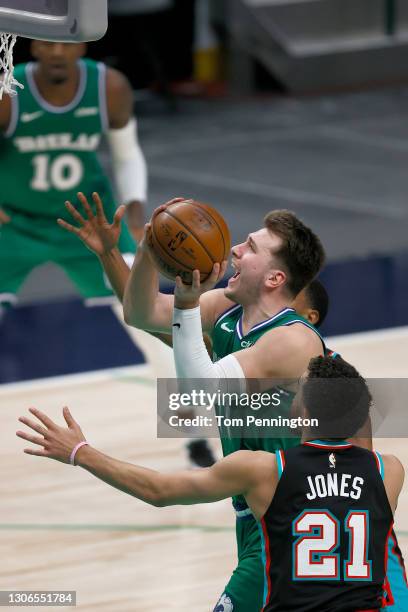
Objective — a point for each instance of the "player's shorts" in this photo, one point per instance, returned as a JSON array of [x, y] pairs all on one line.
[[245, 590], [28, 241]]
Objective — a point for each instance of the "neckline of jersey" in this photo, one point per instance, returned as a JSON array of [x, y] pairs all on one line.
[[51, 108], [262, 324], [327, 444]]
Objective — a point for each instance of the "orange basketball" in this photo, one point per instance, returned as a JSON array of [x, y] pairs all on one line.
[[189, 236]]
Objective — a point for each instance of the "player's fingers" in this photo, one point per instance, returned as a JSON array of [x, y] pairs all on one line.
[[29, 438], [223, 269], [33, 425], [69, 419], [175, 200], [69, 227], [43, 418], [100, 213], [179, 282], [160, 209], [36, 453], [74, 213], [213, 278], [85, 205], [196, 280], [119, 215]]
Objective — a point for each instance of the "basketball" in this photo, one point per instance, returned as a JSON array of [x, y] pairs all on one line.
[[189, 236]]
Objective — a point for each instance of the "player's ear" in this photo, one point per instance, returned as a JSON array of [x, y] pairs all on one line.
[[313, 316], [275, 279]]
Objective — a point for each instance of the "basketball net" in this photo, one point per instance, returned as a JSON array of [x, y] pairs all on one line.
[[8, 83]]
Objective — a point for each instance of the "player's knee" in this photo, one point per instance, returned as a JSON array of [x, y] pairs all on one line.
[[224, 604]]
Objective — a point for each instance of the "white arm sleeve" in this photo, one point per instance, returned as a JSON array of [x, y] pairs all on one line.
[[192, 359], [129, 165]]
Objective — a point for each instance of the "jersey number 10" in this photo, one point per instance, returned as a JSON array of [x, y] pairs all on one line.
[[61, 173], [319, 531]]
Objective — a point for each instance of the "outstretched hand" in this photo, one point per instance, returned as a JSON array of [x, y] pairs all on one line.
[[188, 296], [56, 442], [95, 231]]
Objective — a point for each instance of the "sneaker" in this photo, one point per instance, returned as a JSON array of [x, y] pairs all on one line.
[[200, 453]]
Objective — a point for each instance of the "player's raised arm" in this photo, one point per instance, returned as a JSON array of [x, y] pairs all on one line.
[[245, 472], [129, 165]]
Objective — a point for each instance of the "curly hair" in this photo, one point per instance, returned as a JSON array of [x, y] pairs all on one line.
[[337, 395]]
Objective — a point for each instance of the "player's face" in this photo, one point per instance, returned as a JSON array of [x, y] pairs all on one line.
[[302, 305], [255, 267], [57, 60]]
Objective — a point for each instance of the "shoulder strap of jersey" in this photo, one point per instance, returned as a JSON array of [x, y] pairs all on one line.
[[232, 310], [380, 463], [280, 461]]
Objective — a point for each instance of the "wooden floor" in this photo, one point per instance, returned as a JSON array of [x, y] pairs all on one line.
[[61, 529]]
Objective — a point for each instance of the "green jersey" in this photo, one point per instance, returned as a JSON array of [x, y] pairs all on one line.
[[49, 153], [227, 338]]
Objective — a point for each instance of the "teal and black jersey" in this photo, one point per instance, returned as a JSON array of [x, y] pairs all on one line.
[[325, 533]]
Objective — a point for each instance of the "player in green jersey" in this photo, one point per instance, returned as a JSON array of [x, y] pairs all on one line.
[[48, 153], [51, 133]]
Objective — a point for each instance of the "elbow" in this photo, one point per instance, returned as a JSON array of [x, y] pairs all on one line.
[[128, 312], [159, 502]]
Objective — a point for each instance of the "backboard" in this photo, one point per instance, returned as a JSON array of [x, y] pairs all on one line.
[[55, 20]]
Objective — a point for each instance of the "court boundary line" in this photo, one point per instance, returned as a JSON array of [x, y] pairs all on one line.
[[389, 333]]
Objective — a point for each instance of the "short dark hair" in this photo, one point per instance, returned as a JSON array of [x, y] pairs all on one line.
[[302, 254], [318, 299], [337, 395]]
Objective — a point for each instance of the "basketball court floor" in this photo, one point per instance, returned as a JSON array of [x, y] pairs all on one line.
[[62, 529]]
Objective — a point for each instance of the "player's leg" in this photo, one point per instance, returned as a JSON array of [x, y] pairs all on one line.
[[396, 591], [20, 252], [245, 589]]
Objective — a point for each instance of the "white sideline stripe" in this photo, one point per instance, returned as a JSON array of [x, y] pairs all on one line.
[[71, 380], [394, 333]]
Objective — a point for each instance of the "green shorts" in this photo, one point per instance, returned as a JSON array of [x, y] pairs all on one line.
[[28, 241], [245, 590]]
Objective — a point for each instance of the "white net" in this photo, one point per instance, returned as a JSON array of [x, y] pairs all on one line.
[[8, 83]]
